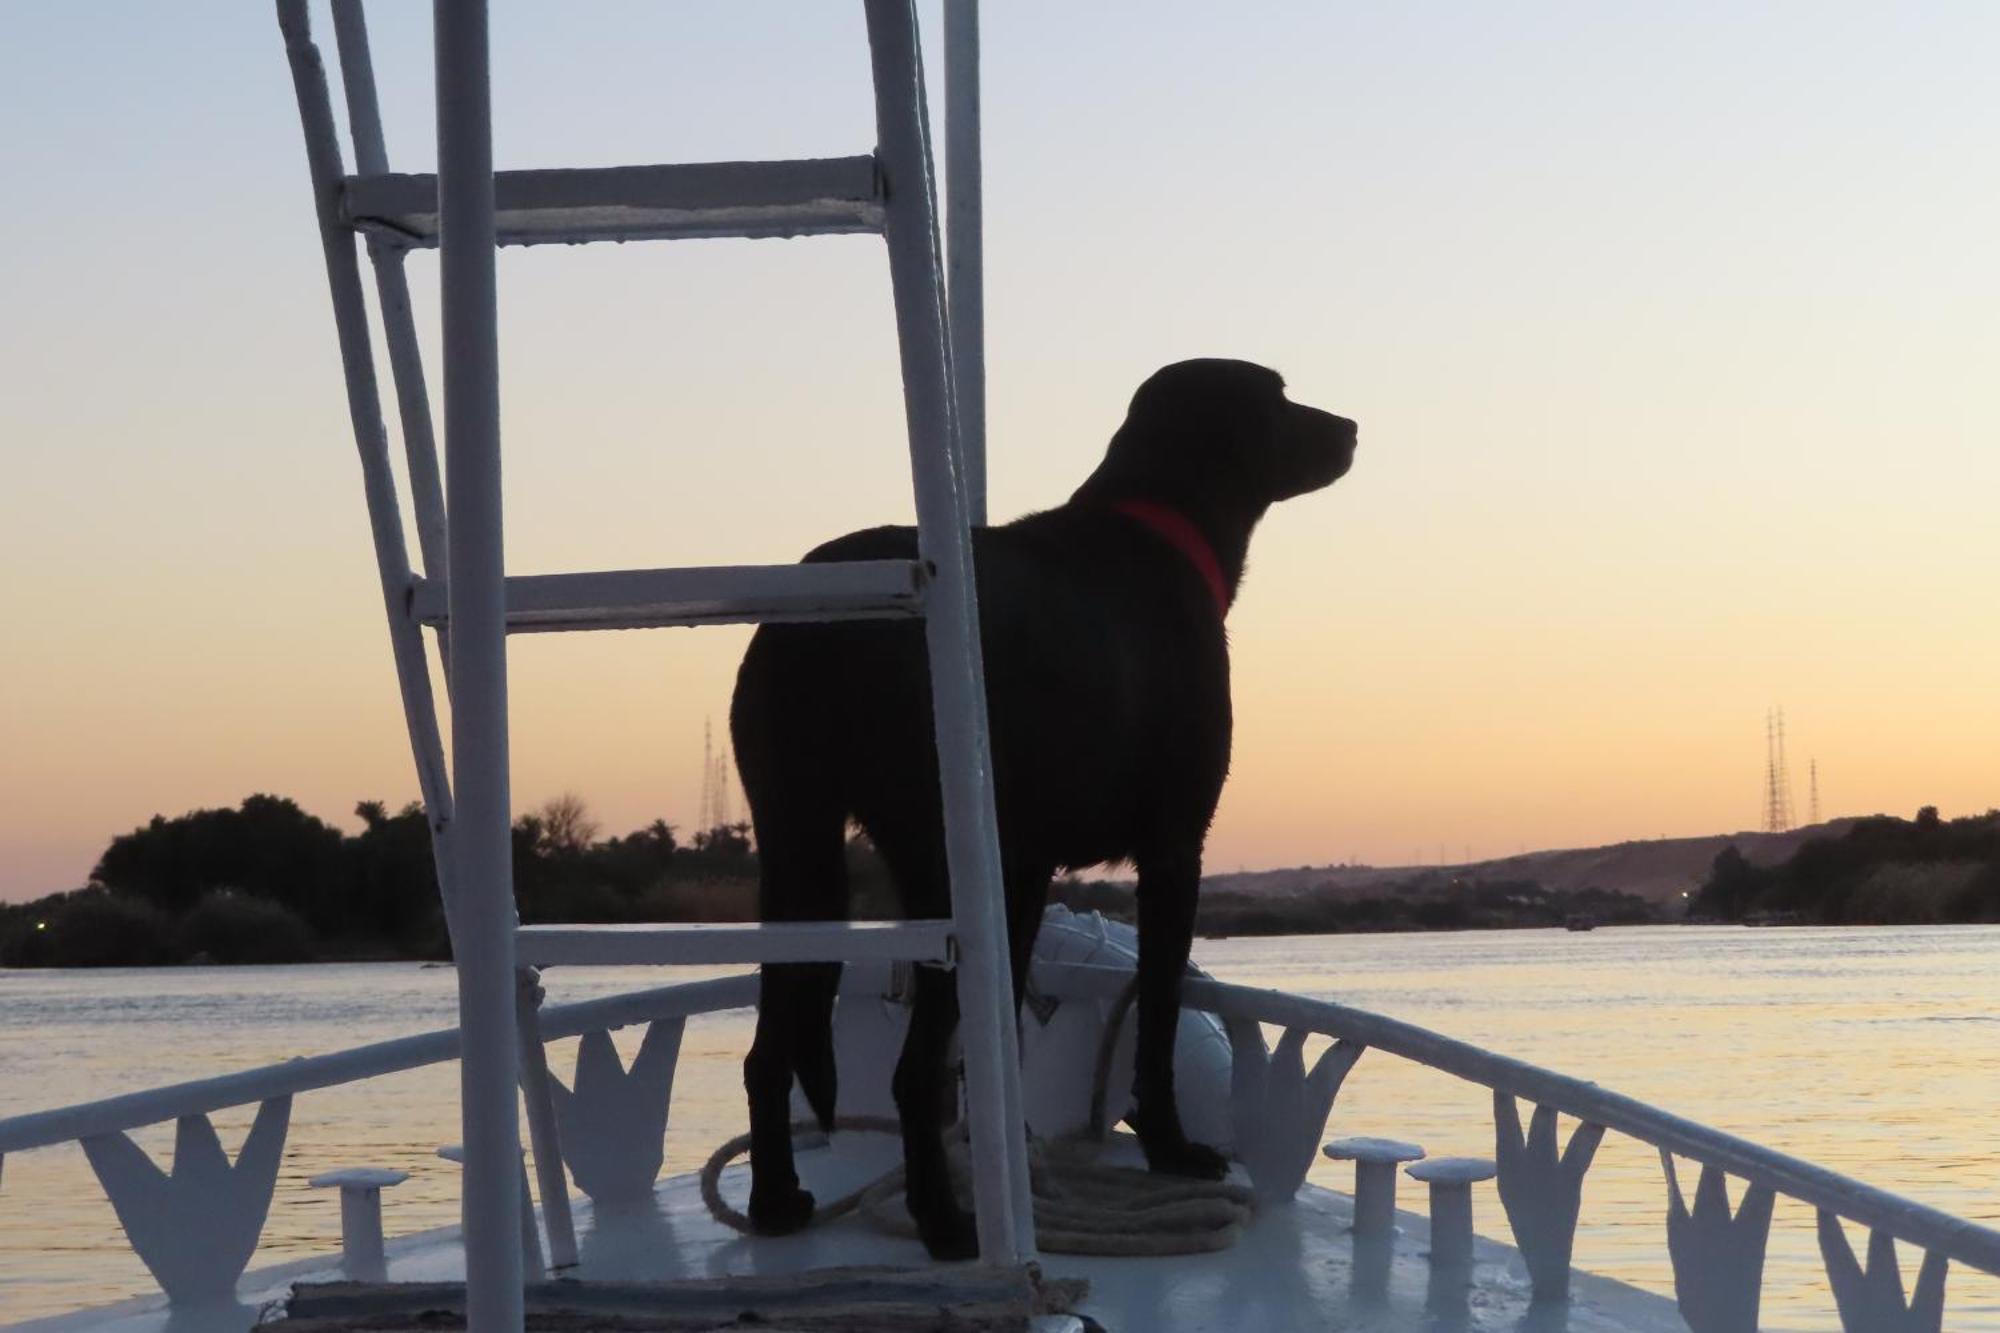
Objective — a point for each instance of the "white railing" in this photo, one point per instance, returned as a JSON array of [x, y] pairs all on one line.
[[1717, 1258]]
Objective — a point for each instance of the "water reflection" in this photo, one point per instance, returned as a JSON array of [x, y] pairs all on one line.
[[1873, 1052]]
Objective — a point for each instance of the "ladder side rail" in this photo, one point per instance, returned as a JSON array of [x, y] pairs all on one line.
[[985, 989], [392, 292], [544, 1134], [481, 841], [364, 408], [965, 244]]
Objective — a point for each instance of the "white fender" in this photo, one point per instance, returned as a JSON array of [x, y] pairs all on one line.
[[1059, 1042]]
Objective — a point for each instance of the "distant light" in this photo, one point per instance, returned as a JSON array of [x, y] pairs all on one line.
[[41, 925]]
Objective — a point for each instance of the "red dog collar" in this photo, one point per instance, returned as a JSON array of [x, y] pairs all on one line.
[[1175, 528]]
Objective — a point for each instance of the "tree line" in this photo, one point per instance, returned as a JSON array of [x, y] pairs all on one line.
[[268, 882], [1881, 871]]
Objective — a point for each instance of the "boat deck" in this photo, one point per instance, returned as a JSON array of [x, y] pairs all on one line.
[[1292, 1268]]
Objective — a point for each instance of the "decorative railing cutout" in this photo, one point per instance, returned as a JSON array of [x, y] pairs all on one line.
[[1718, 1259], [195, 1229], [1542, 1189], [1279, 1111], [614, 1124], [1872, 1302]]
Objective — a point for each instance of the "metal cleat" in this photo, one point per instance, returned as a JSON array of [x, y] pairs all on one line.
[[1375, 1162], [1451, 1180], [361, 1251]]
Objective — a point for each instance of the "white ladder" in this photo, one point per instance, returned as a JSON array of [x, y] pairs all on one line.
[[466, 210]]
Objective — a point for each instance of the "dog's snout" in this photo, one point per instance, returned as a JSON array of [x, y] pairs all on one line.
[[1322, 450]]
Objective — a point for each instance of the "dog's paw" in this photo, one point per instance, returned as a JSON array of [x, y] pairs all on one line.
[[1196, 1161], [950, 1235], [780, 1212]]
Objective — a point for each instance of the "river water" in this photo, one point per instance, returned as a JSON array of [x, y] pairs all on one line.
[[1875, 1052]]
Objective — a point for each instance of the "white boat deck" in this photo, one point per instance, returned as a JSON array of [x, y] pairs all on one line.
[[1292, 1269]]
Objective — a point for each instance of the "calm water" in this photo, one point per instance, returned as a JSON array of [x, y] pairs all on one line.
[[1874, 1052]]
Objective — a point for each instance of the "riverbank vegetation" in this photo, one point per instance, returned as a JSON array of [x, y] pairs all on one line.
[[1880, 871], [267, 882], [1422, 902]]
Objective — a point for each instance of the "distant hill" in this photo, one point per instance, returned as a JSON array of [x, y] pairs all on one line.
[[1657, 869]]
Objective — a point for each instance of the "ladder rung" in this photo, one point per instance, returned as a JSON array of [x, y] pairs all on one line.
[[780, 942], [805, 197], [716, 595]]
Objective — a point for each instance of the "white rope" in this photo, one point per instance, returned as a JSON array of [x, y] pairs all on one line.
[[1081, 1205]]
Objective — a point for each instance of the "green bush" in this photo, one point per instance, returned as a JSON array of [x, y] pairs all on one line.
[[87, 928], [230, 927]]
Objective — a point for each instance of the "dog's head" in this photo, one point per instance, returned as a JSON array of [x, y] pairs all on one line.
[[1216, 433]]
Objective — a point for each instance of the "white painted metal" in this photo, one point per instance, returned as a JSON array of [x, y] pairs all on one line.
[[1279, 1111], [1699, 1242], [481, 844], [362, 1255], [718, 595], [1542, 1189], [1872, 1301], [1718, 1259], [1451, 1180], [195, 1229], [809, 197], [779, 942], [392, 289], [1959, 1239], [364, 407], [965, 242], [112, 1115], [466, 207], [1375, 1162], [614, 1120], [537, 1093], [532, 1261], [958, 684]]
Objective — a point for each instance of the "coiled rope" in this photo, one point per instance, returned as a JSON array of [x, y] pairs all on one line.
[[1081, 1205]]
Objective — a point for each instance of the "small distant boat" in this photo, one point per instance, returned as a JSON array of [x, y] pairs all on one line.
[[1579, 921]]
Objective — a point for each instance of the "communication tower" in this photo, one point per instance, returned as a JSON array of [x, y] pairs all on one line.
[[716, 806], [1777, 775]]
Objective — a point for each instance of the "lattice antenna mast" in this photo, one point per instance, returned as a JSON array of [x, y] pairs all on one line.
[[1784, 779], [1812, 768], [1777, 781], [719, 781], [707, 818]]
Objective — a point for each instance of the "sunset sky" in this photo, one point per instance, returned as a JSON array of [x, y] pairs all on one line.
[[1673, 333]]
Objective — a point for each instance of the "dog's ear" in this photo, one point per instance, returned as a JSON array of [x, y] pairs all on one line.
[[1310, 449]]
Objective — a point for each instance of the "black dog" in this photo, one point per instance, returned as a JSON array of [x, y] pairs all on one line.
[[1107, 681]]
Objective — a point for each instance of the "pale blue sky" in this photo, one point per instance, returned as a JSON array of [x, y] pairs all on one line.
[[1672, 332]]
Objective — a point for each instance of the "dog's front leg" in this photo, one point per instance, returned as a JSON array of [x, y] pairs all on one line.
[[921, 1086], [1168, 886]]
